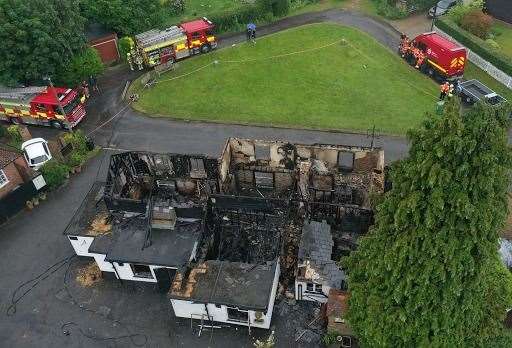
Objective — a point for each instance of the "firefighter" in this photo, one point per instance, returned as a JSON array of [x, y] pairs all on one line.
[[450, 90], [129, 60], [138, 61], [421, 59], [415, 55], [85, 89], [404, 45], [445, 88]]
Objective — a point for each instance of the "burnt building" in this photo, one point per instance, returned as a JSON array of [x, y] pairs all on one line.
[[236, 281], [220, 235], [147, 220]]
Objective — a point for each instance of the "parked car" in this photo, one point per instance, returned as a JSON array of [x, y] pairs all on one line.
[[442, 7], [473, 91], [36, 152]]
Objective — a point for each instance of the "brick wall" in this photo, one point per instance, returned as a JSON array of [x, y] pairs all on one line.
[[14, 178]]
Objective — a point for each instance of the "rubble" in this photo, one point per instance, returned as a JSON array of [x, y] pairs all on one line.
[[89, 275], [100, 225]]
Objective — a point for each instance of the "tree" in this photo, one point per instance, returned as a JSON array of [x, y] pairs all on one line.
[[125, 45], [177, 6], [81, 66], [428, 273], [38, 38], [126, 17]]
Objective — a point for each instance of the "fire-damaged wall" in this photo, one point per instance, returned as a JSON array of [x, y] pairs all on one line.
[[279, 166], [264, 165], [246, 229], [133, 176]]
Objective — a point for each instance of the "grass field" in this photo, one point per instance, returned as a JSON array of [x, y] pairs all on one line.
[[349, 85], [503, 37]]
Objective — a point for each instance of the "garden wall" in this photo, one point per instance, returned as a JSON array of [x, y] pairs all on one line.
[[482, 63]]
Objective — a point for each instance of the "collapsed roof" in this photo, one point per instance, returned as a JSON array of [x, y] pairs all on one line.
[[315, 253]]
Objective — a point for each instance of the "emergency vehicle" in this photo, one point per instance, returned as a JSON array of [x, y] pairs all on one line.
[[41, 106], [434, 55], [155, 47]]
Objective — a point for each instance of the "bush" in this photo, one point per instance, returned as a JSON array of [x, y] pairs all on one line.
[[493, 44], [330, 338], [477, 45], [280, 7], [126, 17], [3, 132], [76, 159], [458, 12], [81, 66], [15, 138], [477, 23], [389, 11], [177, 6], [54, 173], [125, 45], [234, 19], [77, 140]]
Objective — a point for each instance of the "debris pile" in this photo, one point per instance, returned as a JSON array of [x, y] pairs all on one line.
[[100, 225], [89, 275]]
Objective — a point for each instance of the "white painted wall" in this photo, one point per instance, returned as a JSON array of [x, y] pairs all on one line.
[[102, 264], [81, 245], [184, 309], [310, 296], [125, 272]]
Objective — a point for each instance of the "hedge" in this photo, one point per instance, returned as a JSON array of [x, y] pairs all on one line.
[[477, 45], [231, 19], [261, 10]]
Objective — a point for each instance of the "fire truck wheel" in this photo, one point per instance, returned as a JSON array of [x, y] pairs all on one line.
[[205, 48], [56, 124]]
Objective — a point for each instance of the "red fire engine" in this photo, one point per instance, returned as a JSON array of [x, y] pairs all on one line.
[[434, 55], [41, 106], [156, 47]]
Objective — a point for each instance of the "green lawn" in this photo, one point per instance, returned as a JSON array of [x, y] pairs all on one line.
[[503, 37], [349, 85]]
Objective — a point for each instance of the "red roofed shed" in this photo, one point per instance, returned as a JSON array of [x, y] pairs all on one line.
[[103, 41]]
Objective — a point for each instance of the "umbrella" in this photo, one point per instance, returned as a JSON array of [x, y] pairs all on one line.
[[251, 26]]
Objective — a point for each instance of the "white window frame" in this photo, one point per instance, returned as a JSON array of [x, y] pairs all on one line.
[[3, 178]]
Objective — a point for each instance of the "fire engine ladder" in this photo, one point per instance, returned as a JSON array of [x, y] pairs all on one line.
[[154, 37], [19, 93]]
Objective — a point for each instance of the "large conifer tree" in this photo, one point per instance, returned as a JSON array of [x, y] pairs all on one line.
[[428, 274]]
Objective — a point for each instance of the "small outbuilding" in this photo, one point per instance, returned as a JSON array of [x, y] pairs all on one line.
[[336, 312], [103, 41]]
